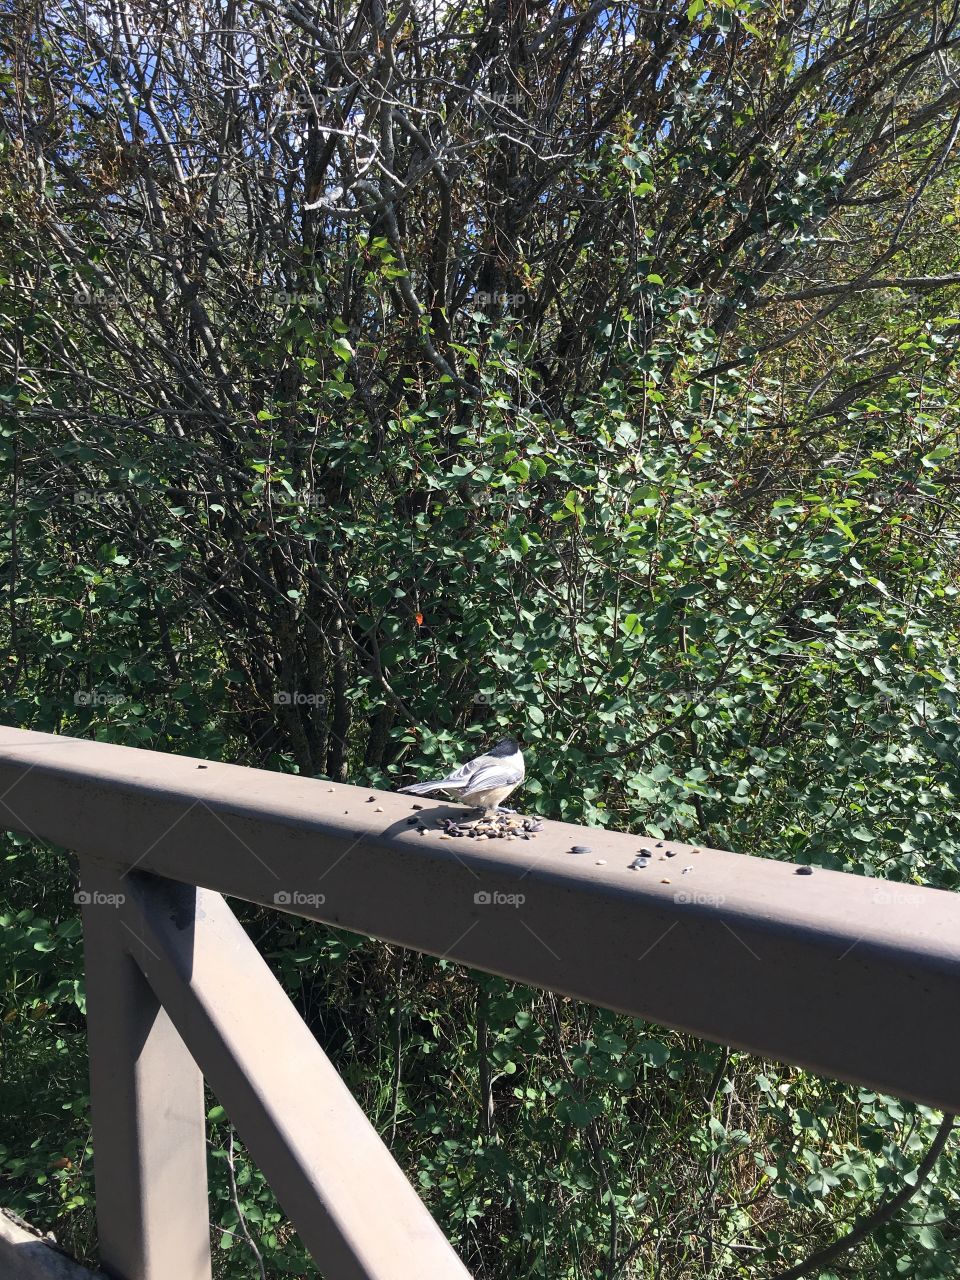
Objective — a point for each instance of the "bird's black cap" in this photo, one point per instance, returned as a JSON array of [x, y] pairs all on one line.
[[505, 747]]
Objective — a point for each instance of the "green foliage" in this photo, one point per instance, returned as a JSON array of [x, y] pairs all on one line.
[[627, 419]]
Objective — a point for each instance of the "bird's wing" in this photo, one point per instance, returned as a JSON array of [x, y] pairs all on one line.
[[490, 772], [461, 777], [459, 780]]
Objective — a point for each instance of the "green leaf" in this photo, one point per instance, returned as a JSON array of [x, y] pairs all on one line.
[[654, 1051]]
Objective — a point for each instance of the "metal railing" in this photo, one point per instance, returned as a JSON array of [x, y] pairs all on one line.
[[852, 977]]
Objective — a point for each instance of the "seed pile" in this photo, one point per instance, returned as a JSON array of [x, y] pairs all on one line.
[[498, 826]]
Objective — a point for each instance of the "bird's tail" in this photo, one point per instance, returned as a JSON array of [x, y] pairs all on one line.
[[424, 788]]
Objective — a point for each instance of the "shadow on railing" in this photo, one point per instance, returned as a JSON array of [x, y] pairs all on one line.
[[841, 974]]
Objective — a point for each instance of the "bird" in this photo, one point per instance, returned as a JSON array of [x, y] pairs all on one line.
[[483, 783]]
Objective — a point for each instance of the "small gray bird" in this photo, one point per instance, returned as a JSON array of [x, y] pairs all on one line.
[[485, 782]]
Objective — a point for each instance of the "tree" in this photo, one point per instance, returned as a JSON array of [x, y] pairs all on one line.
[[382, 378]]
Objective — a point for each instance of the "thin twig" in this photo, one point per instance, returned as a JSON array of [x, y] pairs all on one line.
[[869, 1222], [241, 1220]]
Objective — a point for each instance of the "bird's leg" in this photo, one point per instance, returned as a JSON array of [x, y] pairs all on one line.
[[502, 808]]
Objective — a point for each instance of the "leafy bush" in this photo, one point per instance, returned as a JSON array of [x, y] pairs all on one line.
[[583, 371]]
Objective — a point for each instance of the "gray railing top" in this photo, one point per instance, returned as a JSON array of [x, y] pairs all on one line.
[[849, 976]]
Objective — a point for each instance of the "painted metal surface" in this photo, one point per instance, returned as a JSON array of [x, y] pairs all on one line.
[[147, 1107], [848, 976], [350, 1202]]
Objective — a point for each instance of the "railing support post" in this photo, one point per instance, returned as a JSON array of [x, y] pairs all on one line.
[[147, 1104]]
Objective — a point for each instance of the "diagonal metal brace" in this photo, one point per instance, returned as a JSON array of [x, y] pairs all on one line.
[[350, 1202]]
